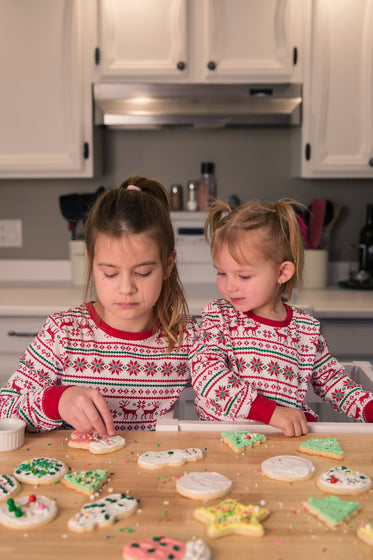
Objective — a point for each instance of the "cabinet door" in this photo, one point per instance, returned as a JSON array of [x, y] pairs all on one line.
[[143, 39], [337, 137], [46, 118], [247, 40]]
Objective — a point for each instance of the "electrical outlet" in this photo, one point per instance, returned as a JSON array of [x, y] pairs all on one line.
[[10, 233]]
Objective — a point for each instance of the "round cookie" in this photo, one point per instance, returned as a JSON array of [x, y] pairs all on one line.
[[27, 512], [163, 548], [40, 470], [288, 468], [102, 512], [95, 443], [203, 485], [341, 480], [173, 458], [9, 487]]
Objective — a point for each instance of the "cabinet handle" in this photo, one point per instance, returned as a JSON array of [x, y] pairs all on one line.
[[181, 65], [371, 162], [22, 334], [211, 65]]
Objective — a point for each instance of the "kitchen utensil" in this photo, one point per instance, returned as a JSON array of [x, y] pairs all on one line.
[[75, 207], [317, 219], [303, 230], [337, 208]]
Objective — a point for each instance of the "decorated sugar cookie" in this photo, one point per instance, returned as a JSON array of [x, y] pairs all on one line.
[[365, 533], [27, 512], [326, 447], [95, 443], [163, 548], [172, 458], [288, 468], [40, 470], [102, 512], [341, 480], [203, 485], [86, 482], [240, 440], [9, 487], [331, 509], [230, 517]]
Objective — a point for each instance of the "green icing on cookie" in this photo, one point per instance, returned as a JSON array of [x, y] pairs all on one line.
[[333, 508], [241, 439], [87, 480], [328, 445]]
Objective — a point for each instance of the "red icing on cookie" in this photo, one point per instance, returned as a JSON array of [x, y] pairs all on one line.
[[157, 548]]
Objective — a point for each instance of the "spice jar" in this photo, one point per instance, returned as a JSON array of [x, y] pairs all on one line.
[[176, 197], [192, 189]]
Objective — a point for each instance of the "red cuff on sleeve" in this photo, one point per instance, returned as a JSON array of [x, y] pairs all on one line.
[[51, 399], [262, 409], [368, 412]]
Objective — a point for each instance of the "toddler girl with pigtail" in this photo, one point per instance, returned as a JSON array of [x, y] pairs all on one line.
[[255, 355]]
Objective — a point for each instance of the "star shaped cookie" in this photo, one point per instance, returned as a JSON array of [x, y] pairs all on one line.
[[230, 516]]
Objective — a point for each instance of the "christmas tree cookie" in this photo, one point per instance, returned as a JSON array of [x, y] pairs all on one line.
[[239, 440], [85, 482], [325, 447], [331, 509], [230, 516]]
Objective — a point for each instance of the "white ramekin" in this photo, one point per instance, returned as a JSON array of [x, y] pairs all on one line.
[[12, 433]]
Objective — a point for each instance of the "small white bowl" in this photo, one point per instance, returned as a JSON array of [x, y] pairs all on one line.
[[12, 433]]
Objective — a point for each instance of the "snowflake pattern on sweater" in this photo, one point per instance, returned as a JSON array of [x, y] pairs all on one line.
[[134, 372], [238, 356]]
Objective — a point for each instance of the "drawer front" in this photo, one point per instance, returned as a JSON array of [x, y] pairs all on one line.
[[16, 333]]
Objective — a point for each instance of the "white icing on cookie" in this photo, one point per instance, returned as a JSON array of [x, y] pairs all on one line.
[[8, 487], [94, 442], [342, 478], [197, 550], [27, 512], [288, 467], [173, 457], [40, 470], [201, 485], [102, 512], [106, 443]]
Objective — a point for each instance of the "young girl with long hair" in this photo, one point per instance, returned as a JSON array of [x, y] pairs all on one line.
[[119, 361], [255, 355]]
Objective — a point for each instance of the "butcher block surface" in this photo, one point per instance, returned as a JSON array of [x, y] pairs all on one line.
[[290, 532]]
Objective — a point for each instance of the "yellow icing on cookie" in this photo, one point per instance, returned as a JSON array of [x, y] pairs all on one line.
[[230, 516]]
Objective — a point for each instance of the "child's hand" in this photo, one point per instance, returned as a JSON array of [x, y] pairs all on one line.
[[292, 421], [86, 410]]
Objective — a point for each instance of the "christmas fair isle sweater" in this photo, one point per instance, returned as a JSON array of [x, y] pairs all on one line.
[[138, 378], [239, 357]]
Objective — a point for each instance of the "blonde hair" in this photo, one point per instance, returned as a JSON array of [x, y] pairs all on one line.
[[122, 211], [277, 224]]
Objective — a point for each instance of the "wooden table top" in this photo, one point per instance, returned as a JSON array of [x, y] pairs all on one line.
[[290, 532]]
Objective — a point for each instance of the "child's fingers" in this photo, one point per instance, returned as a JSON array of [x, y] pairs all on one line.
[[103, 422]]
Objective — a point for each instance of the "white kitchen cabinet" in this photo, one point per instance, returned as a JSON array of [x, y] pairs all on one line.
[[337, 132], [46, 119], [199, 40], [16, 333]]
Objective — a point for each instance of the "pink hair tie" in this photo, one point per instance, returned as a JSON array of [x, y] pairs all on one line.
[[133, 188]]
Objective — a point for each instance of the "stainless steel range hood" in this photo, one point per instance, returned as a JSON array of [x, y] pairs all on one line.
[[148, 106]]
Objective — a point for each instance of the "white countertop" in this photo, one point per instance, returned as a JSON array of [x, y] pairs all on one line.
[[49, 289], [41, 298]]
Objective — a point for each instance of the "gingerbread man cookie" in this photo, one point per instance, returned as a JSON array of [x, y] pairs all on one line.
[[95, 443], [102, 512], [173, 458]]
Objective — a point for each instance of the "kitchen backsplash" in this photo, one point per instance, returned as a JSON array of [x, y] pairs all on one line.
[[251, 163]]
